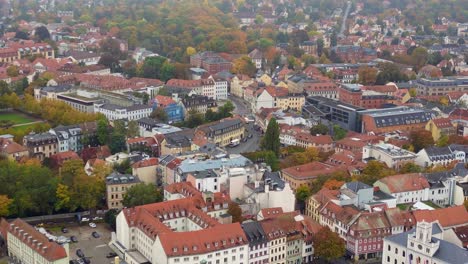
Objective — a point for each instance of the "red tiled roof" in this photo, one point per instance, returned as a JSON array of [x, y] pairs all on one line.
[[163, 101], [10, 147], [317, 140], [398, 217], [343, 214], [462, 234], [405, 182], [310, 170], [174, 163], [381, 88], [202, 241], [277, 91], [35, 240], [271, 212], [442, 122], [447, 217], [146, 163], [370, 221], [325, 195]]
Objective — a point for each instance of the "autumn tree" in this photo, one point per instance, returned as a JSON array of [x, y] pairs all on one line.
[[333, 184], [270, 140], [133, 129], [244, 65], [421, 139], [328, 244], [141, 194], [5, 203], [367, 75], [13, 71], [42, 33], [389, 72], [236, 212], [375, 170]]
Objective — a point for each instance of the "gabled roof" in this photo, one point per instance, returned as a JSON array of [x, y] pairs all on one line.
[[442, 123], [405, 182], [447, 217], [36, 241], [146, 163]]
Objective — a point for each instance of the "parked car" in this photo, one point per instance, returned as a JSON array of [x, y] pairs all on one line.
[[84, 219], [250, 136], [80, 253], [95, 234], [111, 255], [64, 230], [86, 260], [93, 225], [73, 239], [96, 218]]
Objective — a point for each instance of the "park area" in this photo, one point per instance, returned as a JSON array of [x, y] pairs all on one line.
[[17, 120]]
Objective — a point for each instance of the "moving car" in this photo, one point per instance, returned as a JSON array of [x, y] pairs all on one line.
[[73, 239], [93, 225], [79, 253]]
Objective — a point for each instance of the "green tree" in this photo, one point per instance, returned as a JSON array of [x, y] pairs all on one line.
[[42, 33], [110, 218], [194, 119], [339, 132], [133, 130], [320, 46], [333, 39], [328, 244], [367, 75], [319, 129], [270, 140], [272, 160], [419, 57], [140, 194], [389, 72], [102, 131], [236, 212], [302, 193], [410, 168]]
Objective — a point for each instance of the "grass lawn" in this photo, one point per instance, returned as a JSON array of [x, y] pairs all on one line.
[[15, 117], [23, 128]]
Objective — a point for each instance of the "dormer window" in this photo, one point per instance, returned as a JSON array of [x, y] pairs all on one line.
[[174, 249], [185, 249]]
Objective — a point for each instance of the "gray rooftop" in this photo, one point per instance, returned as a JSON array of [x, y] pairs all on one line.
[[118, 178], [254, 233], [190, 165]]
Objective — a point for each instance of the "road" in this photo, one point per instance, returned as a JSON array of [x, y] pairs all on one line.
[[345, 17], [252, 144], [241, 106]]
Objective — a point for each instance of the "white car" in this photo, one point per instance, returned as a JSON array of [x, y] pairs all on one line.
[[84, 219], [93, 225]]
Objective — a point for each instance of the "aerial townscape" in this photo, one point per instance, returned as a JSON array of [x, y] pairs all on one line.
[[233, 131]]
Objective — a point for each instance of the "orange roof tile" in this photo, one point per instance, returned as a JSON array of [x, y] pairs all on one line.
[[443, 123], [146, 163], [35, 240], [405, 182], [447, 217], [311, 170]]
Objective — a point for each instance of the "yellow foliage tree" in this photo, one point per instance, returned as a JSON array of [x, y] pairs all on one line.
[[4, 205], [190, 51]]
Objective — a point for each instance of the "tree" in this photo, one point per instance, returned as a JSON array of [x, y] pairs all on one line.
[[102, 131], [21, 35], [272, 161], [160, 114], [236, 212], [133, 129], [328, 244], [389, 72], [319, 129], [367, 75], [194, 119], [109, 60], [271, 139], [339, 132], [5, 203], [42, 33], [410, 168], [110, 218], [421, 139], [13, 71], [244, 65], [374, 171], [333, 39], [419, 57], [140, 194], [333, 184], [302, 193], [320, 45], [190, 51]]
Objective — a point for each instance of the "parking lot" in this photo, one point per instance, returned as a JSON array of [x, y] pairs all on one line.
[[95, 249]]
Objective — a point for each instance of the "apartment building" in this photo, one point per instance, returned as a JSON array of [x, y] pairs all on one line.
[[441, 86], [198, 103], [177, 231], [116, 187], [26, 245], [41, 145], [222, 132]]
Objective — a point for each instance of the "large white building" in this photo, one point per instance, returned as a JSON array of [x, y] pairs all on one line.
[[178, 232], [115, 112], [221, 89], [442, 156], [425, 244], [406, 188], [26, 245], [391, 155]]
